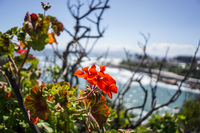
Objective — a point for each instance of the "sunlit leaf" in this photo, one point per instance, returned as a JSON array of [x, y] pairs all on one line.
[[6, 46], [63, 97], [42, 27], [55, 25], [39, 43]]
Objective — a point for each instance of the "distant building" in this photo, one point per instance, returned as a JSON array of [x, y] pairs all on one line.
[[183, 59]]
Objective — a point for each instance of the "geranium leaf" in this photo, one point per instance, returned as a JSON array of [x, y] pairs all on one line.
[[38, 44], [63, 93], [37, 104], [42, 27], [55, 25], [100, 111], [98, 115], [6, 46]]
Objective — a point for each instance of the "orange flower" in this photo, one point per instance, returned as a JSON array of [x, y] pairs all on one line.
[[103, 81], [22, 44], [52, 38]]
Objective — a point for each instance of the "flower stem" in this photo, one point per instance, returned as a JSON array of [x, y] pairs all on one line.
[[13, 62], [83, 97]]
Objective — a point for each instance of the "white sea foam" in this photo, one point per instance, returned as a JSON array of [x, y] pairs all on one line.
[[122, 75]]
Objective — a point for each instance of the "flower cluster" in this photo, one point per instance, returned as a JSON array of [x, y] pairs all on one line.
[[98, 78]]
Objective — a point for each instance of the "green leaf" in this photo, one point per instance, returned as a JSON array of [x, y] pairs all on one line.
[[38, 44], [182, 117], [63, 93], [42, 27], [73, 90], [100, 113], [6, 46], [45, 127], [11, 32], [22, 35], [55, 25]]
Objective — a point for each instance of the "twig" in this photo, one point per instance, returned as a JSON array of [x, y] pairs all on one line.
[[13, 62]]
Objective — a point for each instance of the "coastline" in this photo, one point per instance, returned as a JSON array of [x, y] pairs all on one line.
[[165, 76]]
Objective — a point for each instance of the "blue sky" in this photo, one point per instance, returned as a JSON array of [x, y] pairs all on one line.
[[171, 23]]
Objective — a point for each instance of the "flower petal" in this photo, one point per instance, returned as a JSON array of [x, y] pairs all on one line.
[[102, 68], [110, 94], [85, 69], [113, 89], [80, 74]]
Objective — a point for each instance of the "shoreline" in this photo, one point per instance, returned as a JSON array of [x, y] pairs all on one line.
[[165, 76]]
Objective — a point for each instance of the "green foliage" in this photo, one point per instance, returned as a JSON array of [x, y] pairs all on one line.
[[123, 131], [11, 118], [191, 111], [24, 66], [121, 121], [164, 124], [37, 31], [55, 72], [6, 45], [55, 24], [111, 117], [57, 103]]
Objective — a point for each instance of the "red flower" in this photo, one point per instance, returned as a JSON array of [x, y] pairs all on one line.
[[108, 85], [89, 74], [34, 17], [8, 94], [103, 81], [21, 51]]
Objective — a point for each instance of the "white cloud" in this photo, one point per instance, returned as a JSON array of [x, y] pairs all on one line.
[[154, 49], [159, 49]]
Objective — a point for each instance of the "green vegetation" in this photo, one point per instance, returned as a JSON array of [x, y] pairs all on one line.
[[186, 121]]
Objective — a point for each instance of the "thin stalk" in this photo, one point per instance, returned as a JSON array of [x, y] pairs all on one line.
[[82, 97], [13, 63]]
